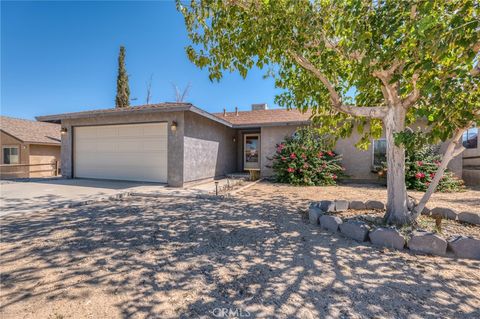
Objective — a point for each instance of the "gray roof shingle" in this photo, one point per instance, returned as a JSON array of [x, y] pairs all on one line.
[[265, 117], [272, 117]]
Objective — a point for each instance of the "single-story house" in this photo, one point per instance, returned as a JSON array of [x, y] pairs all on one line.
[[179, 143], [29, 148]]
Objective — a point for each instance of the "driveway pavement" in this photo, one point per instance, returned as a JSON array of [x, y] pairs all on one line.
[[20, 197]]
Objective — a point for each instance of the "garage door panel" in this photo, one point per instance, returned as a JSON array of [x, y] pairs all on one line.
[[106, 131], [131, 131], [151, 131], [127, 152]]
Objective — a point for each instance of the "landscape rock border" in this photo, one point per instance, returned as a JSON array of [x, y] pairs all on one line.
[[323, 214]]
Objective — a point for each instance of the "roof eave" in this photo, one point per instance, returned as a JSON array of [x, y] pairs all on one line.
[[270, 124], [11, 135], [210, 116], [44, 143], [79, 115]]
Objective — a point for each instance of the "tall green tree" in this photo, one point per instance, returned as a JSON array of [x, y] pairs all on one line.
[[123, 90], [404, 61]]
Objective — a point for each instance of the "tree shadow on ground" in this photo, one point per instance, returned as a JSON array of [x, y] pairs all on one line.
[[185, 257]]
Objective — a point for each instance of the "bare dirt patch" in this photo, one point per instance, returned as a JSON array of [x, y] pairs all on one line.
[[468, 200], [186, 257]]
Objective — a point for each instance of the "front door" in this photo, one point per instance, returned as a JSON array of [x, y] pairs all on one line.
[[251, 153]]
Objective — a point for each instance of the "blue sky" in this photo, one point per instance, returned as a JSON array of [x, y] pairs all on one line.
[[59, 57]]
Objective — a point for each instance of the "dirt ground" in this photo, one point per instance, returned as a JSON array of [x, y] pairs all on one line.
[[253, 255], [469, 200]]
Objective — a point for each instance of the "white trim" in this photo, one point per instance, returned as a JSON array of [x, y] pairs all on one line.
[[373, 148], [245, 167], [10, 146]]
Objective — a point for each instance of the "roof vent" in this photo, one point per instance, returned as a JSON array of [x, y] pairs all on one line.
[[259, 107]]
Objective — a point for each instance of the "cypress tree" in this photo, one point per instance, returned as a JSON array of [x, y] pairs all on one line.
[[123, 90]]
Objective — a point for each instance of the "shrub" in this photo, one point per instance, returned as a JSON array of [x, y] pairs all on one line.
[[306, 158], [420, 167]]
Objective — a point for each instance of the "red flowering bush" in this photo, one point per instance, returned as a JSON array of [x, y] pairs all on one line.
[[306, 158], [420, 167]]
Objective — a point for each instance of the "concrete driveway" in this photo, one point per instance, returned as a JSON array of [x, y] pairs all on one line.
[[19, 197]]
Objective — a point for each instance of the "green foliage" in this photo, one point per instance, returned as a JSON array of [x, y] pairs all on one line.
[[305, 158], [421, 164], [123, 90], [368, 65], [348, 41]]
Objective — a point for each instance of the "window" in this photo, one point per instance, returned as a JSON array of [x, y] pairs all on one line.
[[470, 138], [10, 155], [379, 152]]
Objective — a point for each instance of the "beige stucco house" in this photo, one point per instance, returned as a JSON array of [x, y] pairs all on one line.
[[29, 148], [179, 143]]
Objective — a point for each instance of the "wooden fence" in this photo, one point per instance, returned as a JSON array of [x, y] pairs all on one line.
[[13, 171]]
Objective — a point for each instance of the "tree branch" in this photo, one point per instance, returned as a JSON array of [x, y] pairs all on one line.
[[375, 112], [414, 95], [306, 64], [389, 90], [454, 149], [476, 70], [370, 112]]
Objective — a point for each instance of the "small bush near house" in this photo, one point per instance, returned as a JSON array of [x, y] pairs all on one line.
[[306, 158], [420, 168]]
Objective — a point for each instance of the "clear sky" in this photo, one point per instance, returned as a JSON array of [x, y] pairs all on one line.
[[59, 57]]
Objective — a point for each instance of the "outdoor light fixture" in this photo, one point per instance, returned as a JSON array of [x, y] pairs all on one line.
[[234, 139], [174, 126], [63, 130]]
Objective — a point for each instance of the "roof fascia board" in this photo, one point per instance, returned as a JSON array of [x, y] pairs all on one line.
[[44, 143], [78, 115], [12, 136], [210, 116], [295, 123], [192, 108]]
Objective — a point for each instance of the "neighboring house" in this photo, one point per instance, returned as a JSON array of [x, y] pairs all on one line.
[[178, 143], [29, 148], [471, 156]]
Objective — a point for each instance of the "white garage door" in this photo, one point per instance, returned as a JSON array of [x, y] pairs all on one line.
[[136, 152]]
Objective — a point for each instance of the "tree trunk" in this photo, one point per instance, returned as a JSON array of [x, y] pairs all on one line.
[[397, 210], [454, 148]]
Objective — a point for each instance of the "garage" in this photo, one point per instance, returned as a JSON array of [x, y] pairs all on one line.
[[134, 152]]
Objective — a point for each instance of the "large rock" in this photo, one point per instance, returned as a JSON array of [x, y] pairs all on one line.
[[313, 204], [355, 229], [428, 243], [341, 205], [444, 212], [374, 204], [314, 214], [330, 222], [411, 203], [465, 247], [387, 237], [357, 204], [327, 206], [426, 211], [469, 217]]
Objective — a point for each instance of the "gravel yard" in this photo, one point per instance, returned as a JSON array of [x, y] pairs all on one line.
[[254, 254]]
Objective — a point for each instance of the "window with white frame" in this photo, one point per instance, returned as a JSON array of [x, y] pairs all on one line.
[[470, 138], [379, 152], [11, 155]]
